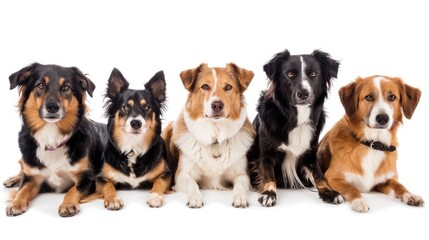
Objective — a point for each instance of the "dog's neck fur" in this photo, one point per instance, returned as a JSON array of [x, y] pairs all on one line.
[[214, 131]]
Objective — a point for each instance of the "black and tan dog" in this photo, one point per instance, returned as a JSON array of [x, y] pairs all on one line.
[[134, 156], [60, 147]]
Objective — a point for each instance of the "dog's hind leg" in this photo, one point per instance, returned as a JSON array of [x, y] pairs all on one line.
[[14, 181], [394, 188], [30, 187]]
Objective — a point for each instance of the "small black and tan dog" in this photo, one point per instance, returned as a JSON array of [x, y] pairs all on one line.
[[134, 156], [60, 147]]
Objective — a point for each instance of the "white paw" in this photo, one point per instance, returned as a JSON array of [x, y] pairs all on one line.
[[240, 201], [268, 199], [195, 201], [359, 205], [338, 199], [155, 200], [412, 200]]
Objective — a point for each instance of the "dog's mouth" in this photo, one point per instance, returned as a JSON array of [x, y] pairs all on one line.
[[217, 116], [52, 118]]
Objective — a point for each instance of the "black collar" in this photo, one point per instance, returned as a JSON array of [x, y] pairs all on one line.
[[376, 145]]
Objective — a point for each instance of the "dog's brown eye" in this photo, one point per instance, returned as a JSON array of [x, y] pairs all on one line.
[[290, 74], [41, 85], [146, 108], [369, 98], [126, 108], [205, 87], [65, 88], [313, 74], [391, 98], [228, 87]]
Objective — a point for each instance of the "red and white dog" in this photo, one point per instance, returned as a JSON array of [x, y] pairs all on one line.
[[209, 141], [359, 152]]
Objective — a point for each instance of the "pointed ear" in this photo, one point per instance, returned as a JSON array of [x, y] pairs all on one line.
[[116, 84], [157, 86], [85, 82], [409, 100], [244, 76], [189, 76], [272, 68], [349, 98], [328, 66], [22, 76]]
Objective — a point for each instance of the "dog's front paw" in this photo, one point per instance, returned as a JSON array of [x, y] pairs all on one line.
[[359, 205], [68, 209], [268, 199], [240, 201], [16, 208], [330, 196], [195, 201], [413, 200], [114, 203], [155, 200]]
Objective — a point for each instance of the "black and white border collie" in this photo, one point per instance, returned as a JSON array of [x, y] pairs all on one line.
[[289, 120]]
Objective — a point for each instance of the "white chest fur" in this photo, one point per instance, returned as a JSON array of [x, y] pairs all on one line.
[[57, 172], [370, 163], [299, 142], [211, 164]]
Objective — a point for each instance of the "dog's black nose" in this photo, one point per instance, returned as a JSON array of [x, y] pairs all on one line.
[[217, 106], [52, 107], [303, 94], [136, 124], [382, 119]]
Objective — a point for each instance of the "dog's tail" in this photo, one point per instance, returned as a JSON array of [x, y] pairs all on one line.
[[172, 153], [91, 197]]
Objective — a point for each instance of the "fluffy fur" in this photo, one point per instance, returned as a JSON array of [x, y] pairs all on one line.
[[209, 140], [289, 121], [134, 156], [60, 147], [374, 108]]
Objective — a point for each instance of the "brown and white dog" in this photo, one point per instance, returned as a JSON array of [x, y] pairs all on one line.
[[209, 140], [359, 153]]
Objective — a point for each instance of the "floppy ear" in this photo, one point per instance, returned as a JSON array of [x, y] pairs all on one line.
[[348, 97], [157, 86], [244, 76], [409, 100], [328, 65], [85, 83], [116, 84], [22, 76], [272, 67], [189, 76]]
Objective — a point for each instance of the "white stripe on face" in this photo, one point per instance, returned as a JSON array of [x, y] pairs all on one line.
[[381, 106], [208, 111], [303, 67], [305, 83], [214, 82]]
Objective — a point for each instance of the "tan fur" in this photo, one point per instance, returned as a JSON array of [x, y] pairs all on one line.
[[343, 154]]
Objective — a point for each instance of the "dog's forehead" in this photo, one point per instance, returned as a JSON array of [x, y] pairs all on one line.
[[137, 96], [55, 72]]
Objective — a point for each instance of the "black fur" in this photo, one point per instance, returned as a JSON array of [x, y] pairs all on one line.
[[118, 95], [278, 116]]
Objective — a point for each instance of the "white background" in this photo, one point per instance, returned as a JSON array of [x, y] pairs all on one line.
[[141, 38]]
